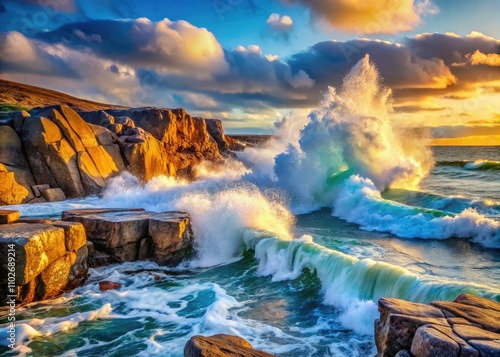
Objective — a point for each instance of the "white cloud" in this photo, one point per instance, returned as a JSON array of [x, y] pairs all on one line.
[[279, 23]]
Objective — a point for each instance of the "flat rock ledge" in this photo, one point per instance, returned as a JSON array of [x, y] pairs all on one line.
[[469, 326], [221, 346], [126, 235], [43, 258]]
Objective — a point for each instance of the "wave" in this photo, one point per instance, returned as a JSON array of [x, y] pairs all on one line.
[[480, 165], [348, 283], [452, 204]]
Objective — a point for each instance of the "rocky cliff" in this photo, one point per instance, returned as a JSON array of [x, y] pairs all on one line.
[[77, 153]]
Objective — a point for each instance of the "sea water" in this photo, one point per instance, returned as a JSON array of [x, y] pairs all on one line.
[[295, 241]]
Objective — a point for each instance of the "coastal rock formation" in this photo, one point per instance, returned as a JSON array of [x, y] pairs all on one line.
[[180, 140], [221, 346], [50, 258], [468, 326], [124, 235], [79, 152]]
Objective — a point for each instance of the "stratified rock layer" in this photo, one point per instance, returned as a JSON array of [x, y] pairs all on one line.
[[466, 327]]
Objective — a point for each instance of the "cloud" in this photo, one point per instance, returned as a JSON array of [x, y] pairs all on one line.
[[279, 23], [490, 59], [369, 16], [174, 45], [173, 63]]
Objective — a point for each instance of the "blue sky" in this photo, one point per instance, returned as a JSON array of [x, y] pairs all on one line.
[[232, 60]]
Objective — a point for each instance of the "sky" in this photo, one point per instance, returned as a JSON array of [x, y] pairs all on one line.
[[251, 62]]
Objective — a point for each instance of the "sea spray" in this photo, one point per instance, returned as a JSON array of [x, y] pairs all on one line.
[[350, 133]]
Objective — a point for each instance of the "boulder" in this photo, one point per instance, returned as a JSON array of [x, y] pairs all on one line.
[[36, 246], [38, 189], [109, 285], [145, 159], [92, 180], [11, 192], [13, 160], [103, 135], [18, 119], [220, 346], [429, 342], [54, 195], [51, 257], [9, 216], [172, 237]]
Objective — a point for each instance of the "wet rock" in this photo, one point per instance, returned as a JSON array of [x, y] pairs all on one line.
[[109, 285], [487, 348], [220, 346], [488, 318], [171, 235], [466, 329], [403, 353], [54, 195], [429, 342], [9, 216]]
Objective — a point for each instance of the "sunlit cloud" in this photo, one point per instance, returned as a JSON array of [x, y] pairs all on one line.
[[369, 16]]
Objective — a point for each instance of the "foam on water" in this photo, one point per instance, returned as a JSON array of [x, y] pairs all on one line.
[[350, 284]]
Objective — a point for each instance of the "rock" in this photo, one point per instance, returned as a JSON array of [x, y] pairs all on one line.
[[216, 130], [99, 117], [220, 346], [388, 306], [39, 189], [37, 200], [74, 234], [488, 318], [12, 160], [109, 285], [73, 122], [65, 127], [18, 119], [54, 195], [487, 348], [442, 329], [11, 192], [465, 349], [92, 180], [396, 332], [67, 215], [117, 233], [103, 135], [54, 279], [36, 246], [429, 342], [477, 301], [469, 332], [104, 162], [145, 159], [403, 353], [9, 216], [172, 236], [115, 160], [133, 234]]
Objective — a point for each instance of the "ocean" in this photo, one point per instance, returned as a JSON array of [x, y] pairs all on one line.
[[296, 241]]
